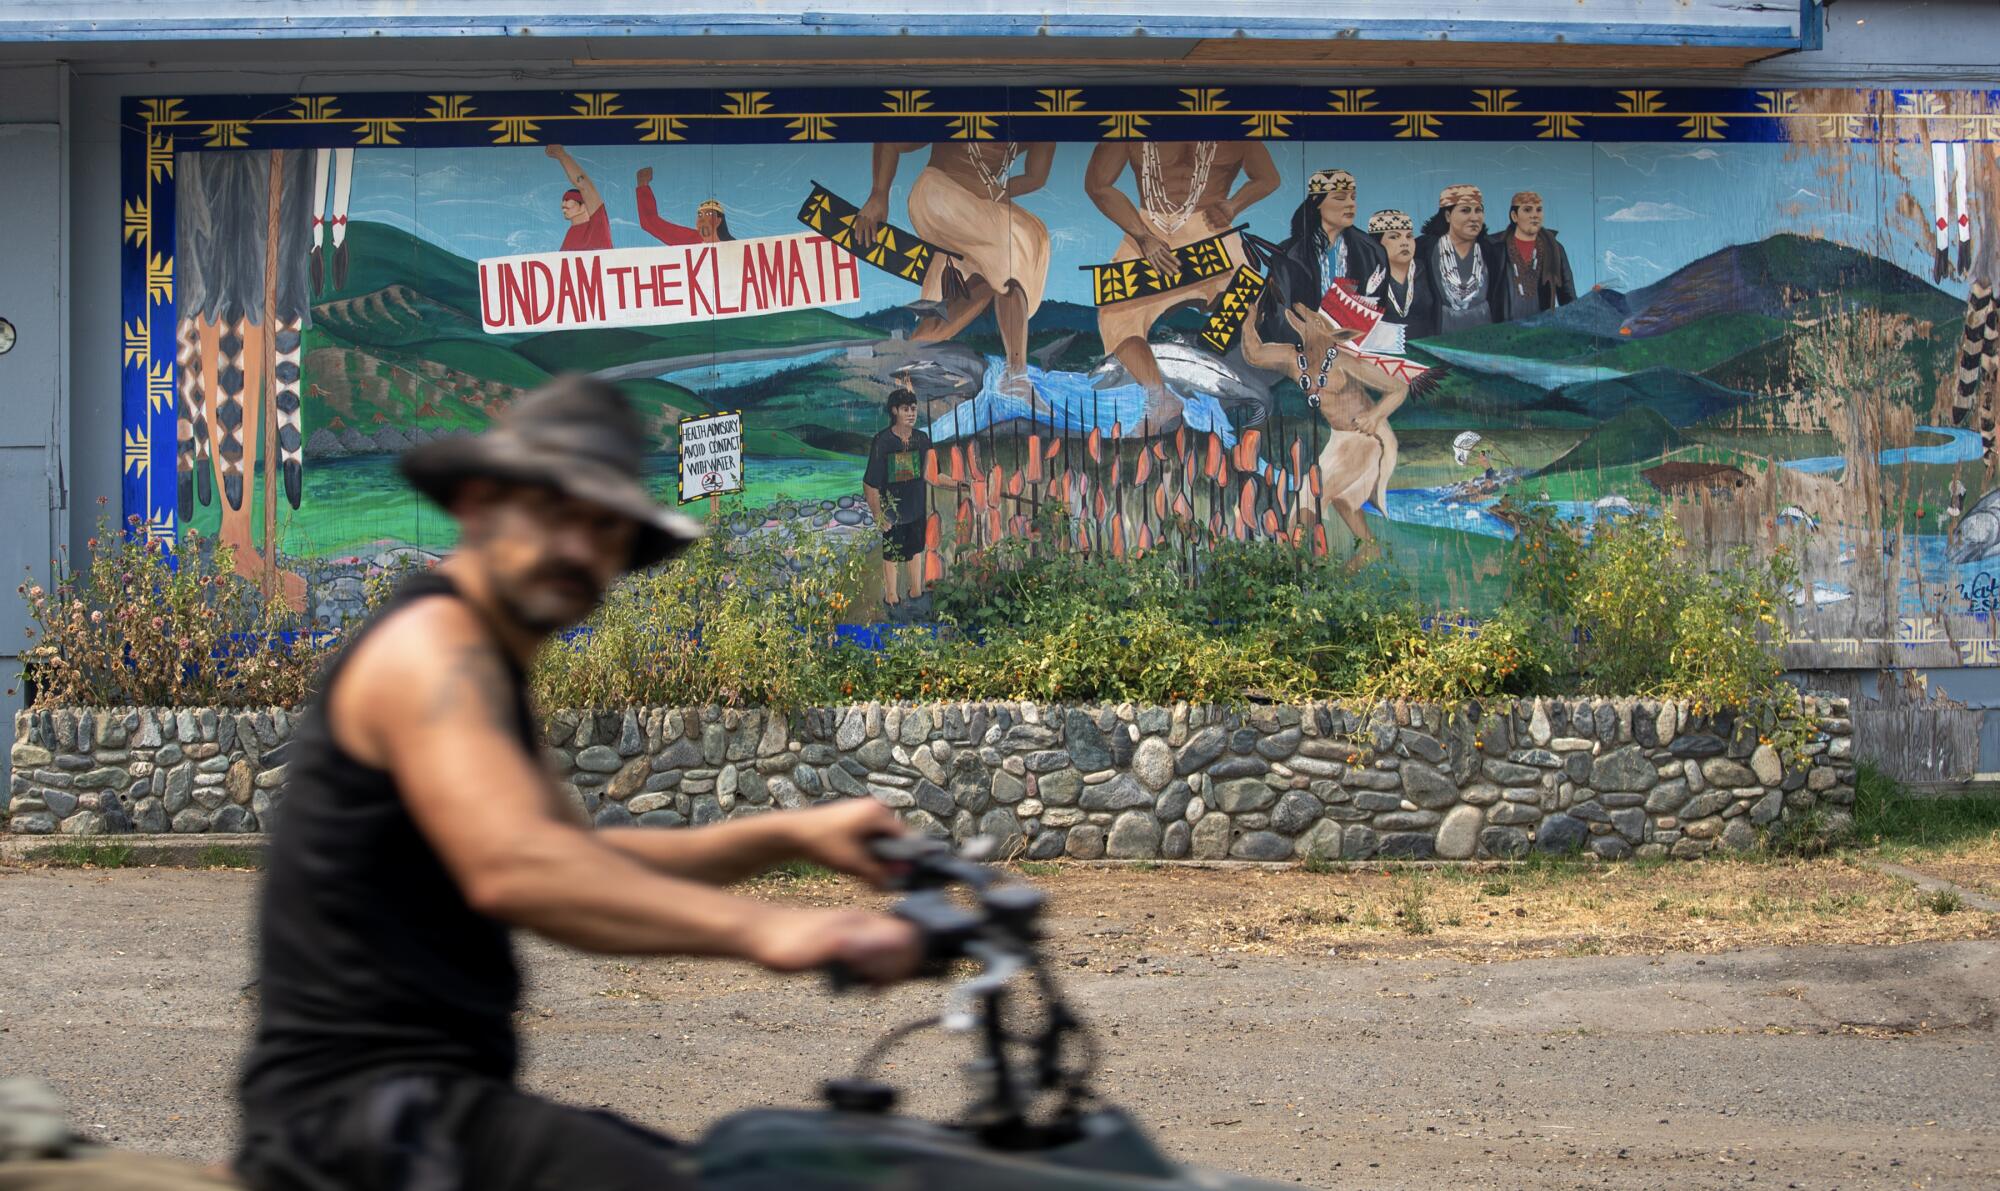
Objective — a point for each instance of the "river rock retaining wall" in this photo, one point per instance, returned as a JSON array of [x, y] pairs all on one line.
[[1613, 777]]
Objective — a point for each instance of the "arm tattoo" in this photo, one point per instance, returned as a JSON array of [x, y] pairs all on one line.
[[476, 681]]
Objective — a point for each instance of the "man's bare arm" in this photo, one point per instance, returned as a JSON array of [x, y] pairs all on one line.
[[1100, 183], [592, 200], [1260, 179], [1035, 172], [875, 211], [429, 697], [836, 835]]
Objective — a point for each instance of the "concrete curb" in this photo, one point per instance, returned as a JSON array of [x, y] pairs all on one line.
[[1930, 884]]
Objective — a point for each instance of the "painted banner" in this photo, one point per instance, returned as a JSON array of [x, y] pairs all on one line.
[[895, 251], [650, 287], [711, 456], [1122, 281], [1232, 309]]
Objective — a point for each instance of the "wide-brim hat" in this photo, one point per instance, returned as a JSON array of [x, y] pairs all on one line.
[[575, 434]]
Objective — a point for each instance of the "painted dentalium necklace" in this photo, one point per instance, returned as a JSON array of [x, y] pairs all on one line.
[[1152, 189], [1460, 293], [1401, 305], [995, 180]]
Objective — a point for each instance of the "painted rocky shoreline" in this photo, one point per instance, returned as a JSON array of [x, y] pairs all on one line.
[[1614, 778]]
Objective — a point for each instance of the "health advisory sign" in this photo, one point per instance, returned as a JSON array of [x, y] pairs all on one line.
[[711, 456]]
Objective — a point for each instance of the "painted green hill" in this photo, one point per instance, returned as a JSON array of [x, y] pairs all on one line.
[[1681, 398], [1632, 437]]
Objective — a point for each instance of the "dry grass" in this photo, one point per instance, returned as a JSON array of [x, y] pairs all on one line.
[[1524, 912], [1108, 916], [1975, 864]]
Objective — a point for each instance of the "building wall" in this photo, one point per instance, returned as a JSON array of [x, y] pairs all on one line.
[[1866, 41], [34, 292]]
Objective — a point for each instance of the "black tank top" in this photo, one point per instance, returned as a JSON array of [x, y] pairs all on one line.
[[369, 957]]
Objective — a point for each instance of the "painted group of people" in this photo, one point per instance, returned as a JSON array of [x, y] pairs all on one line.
[[590, 221], [1446, 275]]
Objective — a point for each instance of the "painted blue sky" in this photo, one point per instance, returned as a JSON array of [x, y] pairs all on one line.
[[1629, 213]]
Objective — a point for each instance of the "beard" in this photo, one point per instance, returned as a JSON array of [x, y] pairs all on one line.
[[550, 598]]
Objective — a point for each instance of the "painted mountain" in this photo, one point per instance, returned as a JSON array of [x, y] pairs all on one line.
[[1702, 345]]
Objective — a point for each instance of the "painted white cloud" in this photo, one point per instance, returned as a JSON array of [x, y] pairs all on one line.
[[1650, 212]]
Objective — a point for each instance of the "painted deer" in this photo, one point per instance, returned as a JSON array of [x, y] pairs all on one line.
[[1355, 397]]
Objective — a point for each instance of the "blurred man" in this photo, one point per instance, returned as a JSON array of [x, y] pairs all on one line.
[[420, 828]]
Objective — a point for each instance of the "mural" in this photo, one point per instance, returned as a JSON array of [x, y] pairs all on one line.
[[1357, 322]]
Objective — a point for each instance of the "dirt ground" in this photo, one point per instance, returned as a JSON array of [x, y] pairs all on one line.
[[1691, 1026]]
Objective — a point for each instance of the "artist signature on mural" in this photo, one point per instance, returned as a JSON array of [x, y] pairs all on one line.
[[1981, 593]]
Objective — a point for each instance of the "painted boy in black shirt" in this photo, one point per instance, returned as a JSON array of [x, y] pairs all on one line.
[[894, 484]]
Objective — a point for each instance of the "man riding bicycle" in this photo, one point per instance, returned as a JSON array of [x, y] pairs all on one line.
[[420, 828]]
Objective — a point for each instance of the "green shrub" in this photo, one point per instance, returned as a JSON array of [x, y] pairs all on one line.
[[1646, 615], [750, 618], [140, 626], [746, 622], [1511, 654]]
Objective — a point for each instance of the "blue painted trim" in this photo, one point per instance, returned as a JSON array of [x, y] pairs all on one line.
[[1775, 36], [1812, 25]]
